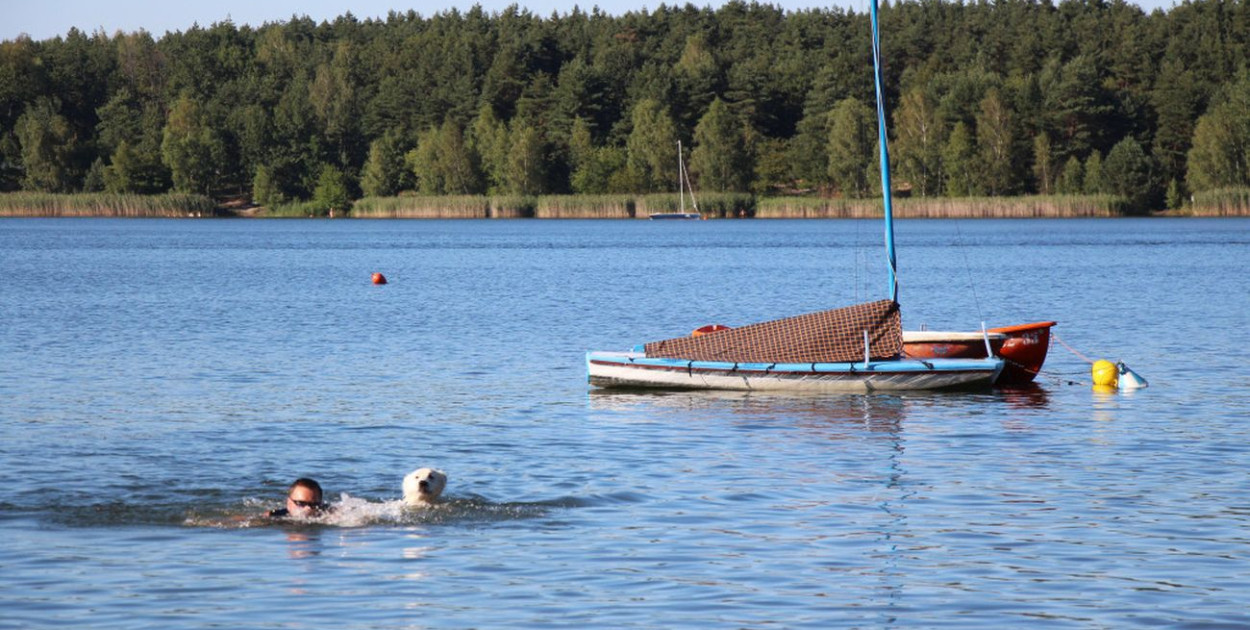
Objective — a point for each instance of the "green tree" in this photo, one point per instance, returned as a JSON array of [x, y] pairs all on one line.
[[1220, 156], [334, 97], [1093, 175], [1044, 163], [1076, 107], [1071, 181], [720, 160], [852, 144], [265, 191], [423, 161], [443, 163], [456, 161], [94, 180], [488, 138], [808, 151], [771, 169], [295, 149], [191, 148], [48, 146], [526, 170], [651, 150], [1177, 98], [121, 174], [596, 170], [917, 148], [331, 194], [1173, 197], [959, 163], [697, 75], [995, 141], [384, 172], [581, 143], [1127, 172], [1215, 160]]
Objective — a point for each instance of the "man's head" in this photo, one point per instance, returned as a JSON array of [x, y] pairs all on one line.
[[303, 499]]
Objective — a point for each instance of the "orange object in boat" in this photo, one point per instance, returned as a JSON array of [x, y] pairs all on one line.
[[707, 330], [379, 278], [926, 344]]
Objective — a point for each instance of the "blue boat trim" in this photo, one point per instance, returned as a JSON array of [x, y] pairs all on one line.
[[883, 367]]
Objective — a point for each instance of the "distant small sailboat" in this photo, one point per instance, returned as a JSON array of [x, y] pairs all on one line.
[[683, 184]]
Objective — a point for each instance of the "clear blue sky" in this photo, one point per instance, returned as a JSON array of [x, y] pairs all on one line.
[[44, 19]]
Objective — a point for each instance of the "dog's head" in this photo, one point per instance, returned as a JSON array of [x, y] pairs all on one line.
[[423, 485]]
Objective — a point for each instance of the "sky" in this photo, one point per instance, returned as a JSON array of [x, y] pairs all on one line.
[[45, 19]]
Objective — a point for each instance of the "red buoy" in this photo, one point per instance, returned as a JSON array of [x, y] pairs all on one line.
[[379, 278]]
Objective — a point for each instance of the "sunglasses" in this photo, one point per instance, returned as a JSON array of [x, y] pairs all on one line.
[[315, 505]]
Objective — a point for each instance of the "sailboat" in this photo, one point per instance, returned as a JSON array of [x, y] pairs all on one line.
[[683, 185], [852, 349]]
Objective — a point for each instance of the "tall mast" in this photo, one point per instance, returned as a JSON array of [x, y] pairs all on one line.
[[885, 155]]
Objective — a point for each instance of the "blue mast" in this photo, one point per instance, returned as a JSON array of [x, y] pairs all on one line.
[[885, 155]]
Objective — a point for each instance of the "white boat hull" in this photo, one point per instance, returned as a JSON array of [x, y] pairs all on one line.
[[636, 370]]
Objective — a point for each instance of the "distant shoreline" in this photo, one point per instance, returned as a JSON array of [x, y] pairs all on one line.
[[711, 206]]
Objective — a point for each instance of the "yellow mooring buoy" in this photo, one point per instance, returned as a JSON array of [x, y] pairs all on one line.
[[1105, 374]]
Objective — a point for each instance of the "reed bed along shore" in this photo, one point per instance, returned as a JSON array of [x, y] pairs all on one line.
[[712, 205], [586, 207], [446, 207], [1224, 202], [31, 204], [414, 207], [1035, 206]]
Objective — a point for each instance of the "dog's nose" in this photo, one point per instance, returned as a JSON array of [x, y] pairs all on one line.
[[423, 485]]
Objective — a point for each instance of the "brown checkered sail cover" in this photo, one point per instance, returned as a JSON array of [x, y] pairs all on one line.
[[832, 336]]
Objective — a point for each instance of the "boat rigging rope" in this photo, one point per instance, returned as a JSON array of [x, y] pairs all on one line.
[[959, 243], [1070, 348]]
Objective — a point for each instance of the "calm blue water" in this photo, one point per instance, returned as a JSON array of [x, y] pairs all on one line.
[[162, 381]]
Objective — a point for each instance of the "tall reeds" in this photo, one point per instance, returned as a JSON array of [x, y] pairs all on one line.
[[34, 204], [727, 205], [1035, 206], [816, 208], [415, 207], [585, 207], [1222, 202]]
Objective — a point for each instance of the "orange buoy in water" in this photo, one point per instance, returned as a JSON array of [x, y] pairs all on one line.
[[707, 330], [379, 278]]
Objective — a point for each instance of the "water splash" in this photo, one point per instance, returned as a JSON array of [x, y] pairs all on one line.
[[353, 512]]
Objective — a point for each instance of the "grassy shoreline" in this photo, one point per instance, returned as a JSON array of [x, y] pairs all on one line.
[[1226, 203], [27, 204]]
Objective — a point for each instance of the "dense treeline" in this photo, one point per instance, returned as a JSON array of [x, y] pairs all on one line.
[[1008, 97]]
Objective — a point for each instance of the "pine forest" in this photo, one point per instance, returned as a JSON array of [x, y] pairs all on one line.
[[987, 99]]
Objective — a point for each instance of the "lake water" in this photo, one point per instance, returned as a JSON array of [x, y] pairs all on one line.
[[162, 381]]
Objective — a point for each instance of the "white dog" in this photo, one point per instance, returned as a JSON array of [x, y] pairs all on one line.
[[423, 486]]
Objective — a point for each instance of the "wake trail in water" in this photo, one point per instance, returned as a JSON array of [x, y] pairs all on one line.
[[353, 512]]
